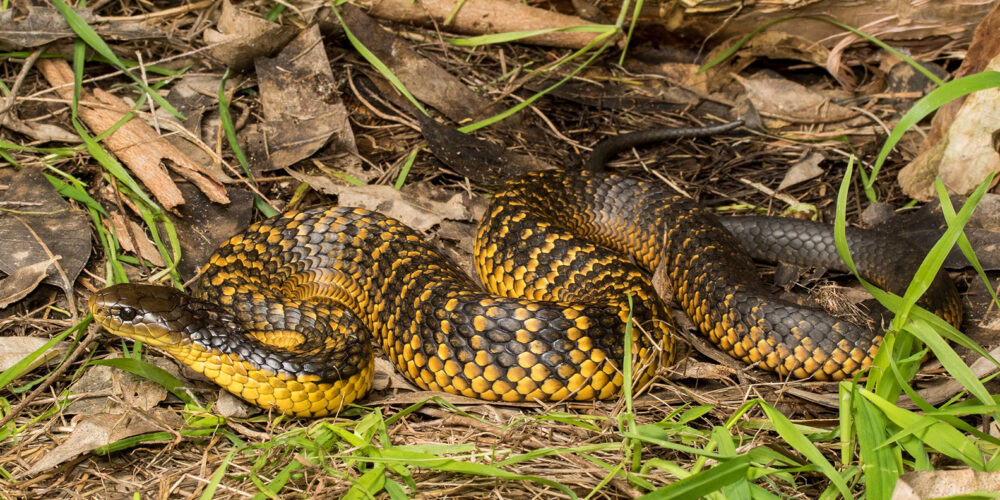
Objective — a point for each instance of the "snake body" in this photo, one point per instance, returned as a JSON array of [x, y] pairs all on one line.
[[283, 313]]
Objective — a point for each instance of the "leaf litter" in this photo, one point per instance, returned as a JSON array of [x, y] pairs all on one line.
[[444, 206]]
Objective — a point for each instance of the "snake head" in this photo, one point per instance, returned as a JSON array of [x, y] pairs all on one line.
[[156, 315]]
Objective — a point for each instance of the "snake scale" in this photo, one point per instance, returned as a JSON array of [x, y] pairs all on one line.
[[283, 314]]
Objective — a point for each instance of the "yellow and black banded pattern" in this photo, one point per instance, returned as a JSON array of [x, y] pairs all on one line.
[[283, 313]]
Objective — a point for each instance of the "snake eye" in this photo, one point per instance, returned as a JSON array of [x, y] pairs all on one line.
[[126, 313]]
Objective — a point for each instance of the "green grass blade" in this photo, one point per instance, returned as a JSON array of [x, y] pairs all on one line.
[[800, 443], [930, 103], [963, 242], [881, 466], [698, 485], [94, 41], [76, 192], [368, 485], [405, 171], [513, 36], [230, 131], [939, 436], [213, 483], [377, 63], [939, 252], [19, 368]]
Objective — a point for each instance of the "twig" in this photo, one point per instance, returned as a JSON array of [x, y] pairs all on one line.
[[28, 63]]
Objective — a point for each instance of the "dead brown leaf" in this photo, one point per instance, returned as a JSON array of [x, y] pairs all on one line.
[[917, 485], [14, 349], [387, 377], [792, 102], [19, 284], [135, 142], [42, 25], [41, 132], [93, 431], [803, 170], [229, 405], [427, 81], [417, 212], [302, 108], [965, 155], [125, 230], [480, 17], [769, 44], [39, 225], [202, 225], [242, 37]]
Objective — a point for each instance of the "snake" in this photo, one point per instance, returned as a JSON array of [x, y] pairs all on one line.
[[283, 314]]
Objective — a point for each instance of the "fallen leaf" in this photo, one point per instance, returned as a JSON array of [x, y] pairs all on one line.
[[770, 45], [14, 349], [427, 81], [228, 405], [41, 132], [790, 101], [135, 143], [39, 225], [93, 431], [243, 37], [43, 25], [485, 16], [125, 230], [109, 390], [917, 178], [19, 284], [481, 161], [203, 225], [927, 224], [918, 485], [965, 155], [694, 369], [803, 170], [386, 377], [302, 108], [419, 213]]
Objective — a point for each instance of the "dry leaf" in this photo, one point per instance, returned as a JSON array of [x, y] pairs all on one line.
[[94, 431], [791, 101], [41, 132], [202, 225], [803, 170], [482, 17], [125, 230], [43, 25], [21, 282], [918, 485], [387, 377], [772, 44], [416, 212], [47, 227], [14, 349], [228, 405], [302, 108], [694, 369], [243, 37], [965, 155], [427, 81], [135, 142]]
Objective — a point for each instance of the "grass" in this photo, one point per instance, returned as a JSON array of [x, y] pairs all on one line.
[[747, 450]]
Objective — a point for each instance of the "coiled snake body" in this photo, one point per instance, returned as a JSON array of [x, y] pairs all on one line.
[[283, 313]]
